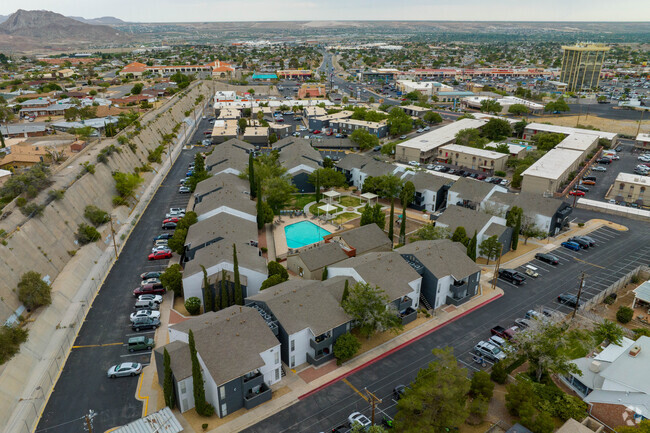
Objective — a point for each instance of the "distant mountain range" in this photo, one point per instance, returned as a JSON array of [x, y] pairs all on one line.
[[102, 20]]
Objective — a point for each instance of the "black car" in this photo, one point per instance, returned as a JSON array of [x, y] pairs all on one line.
[[619, 149], [168, 226], [594, 178], [144, 325], [578, 240], [398, 392], [444, 169], [163, 236], [604, 161], [591, 240], [548, 258], [151, 274], [582, 188], [570, 300], [512, 276]]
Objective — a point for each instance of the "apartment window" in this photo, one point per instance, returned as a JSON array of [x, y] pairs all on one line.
[[224, 410], [277, 357], [183, 388], [621, 186], [293, 361], [222, 393], [293, 345], [277, 374]]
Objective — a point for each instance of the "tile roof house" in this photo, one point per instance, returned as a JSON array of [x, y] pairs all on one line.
[[239, 357], [448, 275], [615, 382], [309, 318]]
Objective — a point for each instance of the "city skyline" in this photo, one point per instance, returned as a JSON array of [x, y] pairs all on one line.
[[339, 10]]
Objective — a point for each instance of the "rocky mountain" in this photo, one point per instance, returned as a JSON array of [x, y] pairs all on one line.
[[3, 18], [101, 20], [53, 28]]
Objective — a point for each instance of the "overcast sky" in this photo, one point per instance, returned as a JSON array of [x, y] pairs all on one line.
[[289, 10]]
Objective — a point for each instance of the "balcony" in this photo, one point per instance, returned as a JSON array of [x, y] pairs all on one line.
[[257, 396], [404, 303], [459, 289], [252, 380], [408, 315], [320, 358], [321, 342]]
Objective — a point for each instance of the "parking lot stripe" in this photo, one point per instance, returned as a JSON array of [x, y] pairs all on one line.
[[97, 345], [136, 354], [587, 263], [347, 382]]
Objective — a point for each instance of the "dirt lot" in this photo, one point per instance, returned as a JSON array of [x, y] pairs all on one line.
[[627, 127]]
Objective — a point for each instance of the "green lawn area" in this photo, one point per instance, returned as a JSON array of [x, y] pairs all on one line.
[[347, 200], [299, 201], [315, 211], [346, 216]]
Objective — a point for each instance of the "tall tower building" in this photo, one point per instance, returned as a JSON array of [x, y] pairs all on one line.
[[581, 64]]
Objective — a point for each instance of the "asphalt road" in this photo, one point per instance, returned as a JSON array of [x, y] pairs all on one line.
[[616, 253], [83, 384]]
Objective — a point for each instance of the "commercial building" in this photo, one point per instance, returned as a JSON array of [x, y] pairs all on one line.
[[581, 65], [294, 74], [642, 142], [631, 188], [348, 126], [506, 102], [470, 157], [424, 148], [548, 173], [311, 91], [535, 128], [427, 88], [238, 354], [322, 122], [217, 68], [264, 76]]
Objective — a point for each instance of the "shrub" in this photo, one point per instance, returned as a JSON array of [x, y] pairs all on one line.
[[156, 154], [89, 168], [276, 268], [478, 408], [345, 347], [482, 386], [32, 209], [500, 173], [87, 234], [193, 305], [609, 300], [499, 373], [635, 279], [21, 201], [204, 426], [33, 291], [56, 194], [581, 224], [11, 337], [624, 314], [96, 216], [172, 279], [272, 281], [118, 201]]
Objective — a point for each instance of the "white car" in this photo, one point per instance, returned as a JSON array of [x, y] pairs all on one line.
[[598, 168], [155, 298], [414, 163], [150, 281], [161, 248], [145, 314], [644, 158], [358, 418], [175, 212], [125, 369]]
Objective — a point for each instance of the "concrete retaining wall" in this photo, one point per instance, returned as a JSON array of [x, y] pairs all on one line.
[[42, 244]]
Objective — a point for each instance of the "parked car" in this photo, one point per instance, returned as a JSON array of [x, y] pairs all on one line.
[[571, 245], [490, 351], [168, 226], [523, 323], [592, 241], [161, 242], [160, 248], [569, 300], [171, 220], [144, 325], [161, 255], [598, 168], [124, 369], [184, 190], [584, 244], [414, 163], [153, 298], [604, 161], [577, 193], [175, 212], [547, 258], [150, 281], [398, 392], [146, 314], [500, 343], [402, 137], [359, 418], [512, 276], [581, 188], [140, 343], [502, 332], [150, 274], [163, 236], [589, 182]]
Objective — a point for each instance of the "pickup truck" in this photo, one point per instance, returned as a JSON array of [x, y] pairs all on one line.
[[502, 332]]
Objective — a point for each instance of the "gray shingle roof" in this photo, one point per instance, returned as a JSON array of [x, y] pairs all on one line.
[[494, 229], [247, 257], [229, 154], [322, 255], [221, 180], [458, 216], [442, 257], [426, 181], [529, 202], [223, 225], [470, 189], [366, 164], [296, 151], [228, 196], [230, 341], [366, 238], [300, 304], [180, 360]]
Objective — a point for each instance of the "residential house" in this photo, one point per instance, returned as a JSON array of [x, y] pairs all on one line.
[[314, 111], [361, 240], [535, 128], [415, 110], [231, 157], [238, 354], [218, 182], [471, 193], [281, 130], [323, 122], [50, 111], [18, 130], [448, 275], [224, 130], [256, 135], [388, 271], [430, 190], [231, 198], [551, 172], [223, 227], [35, 150], [357, 168], [348, 126], [309, 317], [615, 382], [309, 263], [483, 224], [300, 160], [487, 161]]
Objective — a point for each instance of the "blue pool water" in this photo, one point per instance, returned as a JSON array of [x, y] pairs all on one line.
[[303, 233]]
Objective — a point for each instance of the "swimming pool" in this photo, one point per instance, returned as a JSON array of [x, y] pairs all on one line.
[[303, 233]]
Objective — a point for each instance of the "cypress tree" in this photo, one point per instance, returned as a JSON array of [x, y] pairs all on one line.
[[208, 297], [217, 296], [471, 247], [515, 233], [402, 227], [346, 292], [251, 175], [317, 186], [324, 276], [202, 407], [260, 217], [391, 222], [239, 297], [224, 290], [168, 385]]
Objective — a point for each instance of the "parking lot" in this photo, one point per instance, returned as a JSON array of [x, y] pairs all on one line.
[[615, 254]]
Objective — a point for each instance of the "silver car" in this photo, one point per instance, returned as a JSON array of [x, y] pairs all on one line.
[[125, 369], [144, 314]]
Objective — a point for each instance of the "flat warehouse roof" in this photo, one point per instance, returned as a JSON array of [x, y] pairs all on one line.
[[441, 136], [568, 130], [554, 164]]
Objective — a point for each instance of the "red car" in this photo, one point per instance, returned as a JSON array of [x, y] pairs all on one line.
[[171, 220], [160, 255], [149, 289], [577, 193], [316, 131]]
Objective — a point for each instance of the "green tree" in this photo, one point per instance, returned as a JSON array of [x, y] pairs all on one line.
[[208, 297], [430, 232], [481, 385], [547, 140], [126, 183], [242, 124], [370, 309], [490, 106], [203, 408], [398, 122], [137, 89], [324, 274], [608, 331], [345, 347], [271, 281], [193, 305], [239, 296], [327, 178], [391, 186], [223, 293], [642, 427], [346, 292], [470, 137], [432, 117], [519, 128], [364, 139], [460, 235], [172, 279], [471, 246], [497, 129], [251, 175], [407, 195], [543, 423], [515, 233], [490, 248], [168, 384], [518, 109], [478, 409], [275, 268], [437, 400], [277, 191], [624, 314], [96, 216], [530, 230], [273, 137], [33, 292], [373, 214], [261, 218], [86, 234], [391, 220]]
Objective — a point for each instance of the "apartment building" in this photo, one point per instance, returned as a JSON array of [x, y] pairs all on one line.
[[487, 161]]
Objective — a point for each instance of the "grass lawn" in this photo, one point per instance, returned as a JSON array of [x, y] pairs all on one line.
[[346, 216], [299, 201], [315, 211], [347, 201]]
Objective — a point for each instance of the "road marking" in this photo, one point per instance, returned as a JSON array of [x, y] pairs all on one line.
[[98, 345], [588, 263], [136, 354], [347, 382]]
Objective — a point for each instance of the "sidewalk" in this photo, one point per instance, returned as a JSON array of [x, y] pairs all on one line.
[[294, 386]]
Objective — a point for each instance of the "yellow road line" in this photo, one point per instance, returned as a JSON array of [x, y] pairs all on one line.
[[98, 345], [145, 409], [347, 382], [591, 264]]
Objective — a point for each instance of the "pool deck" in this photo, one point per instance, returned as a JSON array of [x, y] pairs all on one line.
[[279, 238]]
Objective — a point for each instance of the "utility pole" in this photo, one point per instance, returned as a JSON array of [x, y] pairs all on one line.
[[582, 283], [640, 120], [113, 236], [89, 421], [373, 400]]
